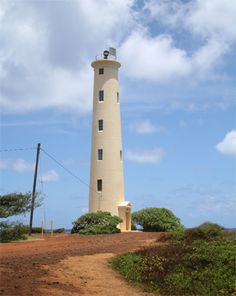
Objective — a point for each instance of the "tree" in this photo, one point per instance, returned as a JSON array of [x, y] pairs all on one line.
[[14, 204], [156, 219]]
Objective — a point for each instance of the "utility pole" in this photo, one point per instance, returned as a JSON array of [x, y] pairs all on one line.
[[34, 189]]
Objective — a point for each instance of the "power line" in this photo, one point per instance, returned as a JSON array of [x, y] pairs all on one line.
[[53, 158], [17, 149], [68, 171]]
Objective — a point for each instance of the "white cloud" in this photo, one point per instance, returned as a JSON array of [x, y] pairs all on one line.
[[206, 18], [182, 123], [45, 55], [145, 127], [158, 57], [220, 205], [214, 19], [155, 58], [50, 176], [146, 156], [4, 164], [19, 165], [228, 145], [208, 56]]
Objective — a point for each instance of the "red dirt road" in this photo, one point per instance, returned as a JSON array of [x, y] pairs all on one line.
[[54, 266]]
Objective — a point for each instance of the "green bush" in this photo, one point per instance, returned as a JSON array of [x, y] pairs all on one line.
[[36, 229], [39, 230], [156, 219], [206, 231], [99, 229], [176, 235], [96, 223], [12, 231], [206, 268], [129, 266], [59, 230], [199, 262]]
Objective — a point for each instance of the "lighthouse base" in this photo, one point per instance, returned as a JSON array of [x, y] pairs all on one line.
[[124, 210]]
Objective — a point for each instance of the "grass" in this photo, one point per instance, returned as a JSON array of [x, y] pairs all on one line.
[[199, 261], [34, 237]]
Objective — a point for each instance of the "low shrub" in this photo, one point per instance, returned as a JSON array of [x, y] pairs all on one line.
[[36, 229], [129, 266], [99, 229], [59, 230], [199, 262], [206, 231], [39, 230], [96, 223], [156, 219], [207, 268], [177, 235], [12, 231]]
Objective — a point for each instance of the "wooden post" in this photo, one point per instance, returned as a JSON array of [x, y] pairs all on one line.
[[34, 189], [51, 228], [42, 229]]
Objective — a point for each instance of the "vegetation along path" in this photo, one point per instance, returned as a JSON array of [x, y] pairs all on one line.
[[68, 265]]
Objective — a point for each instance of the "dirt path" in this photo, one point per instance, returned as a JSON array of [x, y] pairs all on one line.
[[68, 265], [88, 275]]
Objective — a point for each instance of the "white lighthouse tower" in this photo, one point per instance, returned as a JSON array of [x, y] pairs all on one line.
[[106, 174]]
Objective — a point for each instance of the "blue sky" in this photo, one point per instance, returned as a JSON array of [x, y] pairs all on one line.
[[177, 84]]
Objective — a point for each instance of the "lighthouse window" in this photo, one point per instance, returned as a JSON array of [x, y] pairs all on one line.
[[120, 154], [101, 96], [118, 97], [100, 154], [100, 125], [101, 71], [99, 184]]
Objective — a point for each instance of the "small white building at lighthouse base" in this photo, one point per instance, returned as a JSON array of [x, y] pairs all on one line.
[[124, 210]]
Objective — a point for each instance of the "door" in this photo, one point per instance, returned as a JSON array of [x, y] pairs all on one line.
[[127, 218]]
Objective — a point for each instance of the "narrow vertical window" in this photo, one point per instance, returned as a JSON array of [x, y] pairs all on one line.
[[118, 97], [99, 184], [100, 154], [101, 96], [120, 154], [101, 71], [100, 125]]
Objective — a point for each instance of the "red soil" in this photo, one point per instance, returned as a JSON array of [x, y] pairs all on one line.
[[54, 266]]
